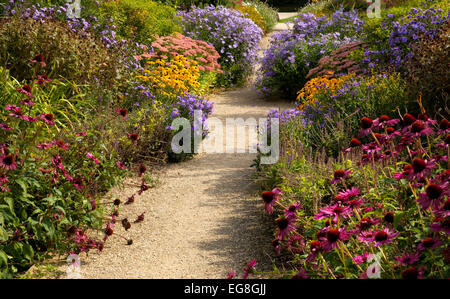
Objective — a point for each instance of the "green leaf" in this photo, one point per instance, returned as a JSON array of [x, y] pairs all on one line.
[[28, 252], [3, 258]]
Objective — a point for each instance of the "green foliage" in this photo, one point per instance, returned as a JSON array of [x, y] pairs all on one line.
[[267, 12], [66, 55], [140, 20], [52, 174]]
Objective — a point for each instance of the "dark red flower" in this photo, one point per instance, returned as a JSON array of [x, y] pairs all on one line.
[[408, 119], [142, 170], [355, 142], [389, 217], [418, 165], [381, 236], [366, 123], [444, 124]]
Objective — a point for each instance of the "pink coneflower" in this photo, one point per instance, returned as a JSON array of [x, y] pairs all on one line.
[[407, 259], [384, 236], [270, 198], [421, 168], [372, 148], [120, 165], [296, 244], [27, 102], [39, 59], [428, 243], [366, 126], [231, 274], [47, 118], [60, 144], [5, 127], [285, 226], [384, 121], [407, 170], [81, 134], [122, 112], [359, 259], [434, 194], [142, 169], [91, 156], [353, 144], [332, 236], [42, 80], [315, 248], [8, 161], [334, 211], [347, 194], [44, 145], [340, 175], [408, 120], [26, 90], [251, 266], [134, 137], [78, 183], [418, 129], [413, 273], [291, 211]]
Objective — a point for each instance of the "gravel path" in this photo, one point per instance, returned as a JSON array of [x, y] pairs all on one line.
[[204, 218]]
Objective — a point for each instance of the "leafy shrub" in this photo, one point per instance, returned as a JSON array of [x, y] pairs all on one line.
[[384, 213], [140, 20], [427, 72], [233, 36], [68, 55], [51, 173]]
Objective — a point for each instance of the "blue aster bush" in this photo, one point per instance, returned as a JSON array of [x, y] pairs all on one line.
[[235, 38], [293, 53]]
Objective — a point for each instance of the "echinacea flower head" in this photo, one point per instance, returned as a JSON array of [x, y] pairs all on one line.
[[91, 156], [42, 80], [133, 137], [47, 118], [407, 259], [340, 175], [442, 225], [335, 211], [434, 195], [26, 90], [251, 266], [359, 259], [270, 198], [420, 169], [291, 211], [231, 274], [285, 226], [413, 273], [408, 120], [347, 194], [332, 236], [428, 243], [8, 161], [384, 236], [366, 126], [122, 112], [39, 59]]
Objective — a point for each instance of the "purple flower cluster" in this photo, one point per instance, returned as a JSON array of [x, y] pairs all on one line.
[[234, 37], [293, 53], [404, 33], [347, 23], [186, 106]]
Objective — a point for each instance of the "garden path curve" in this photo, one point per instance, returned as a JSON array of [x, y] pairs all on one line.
[[204, 218]]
